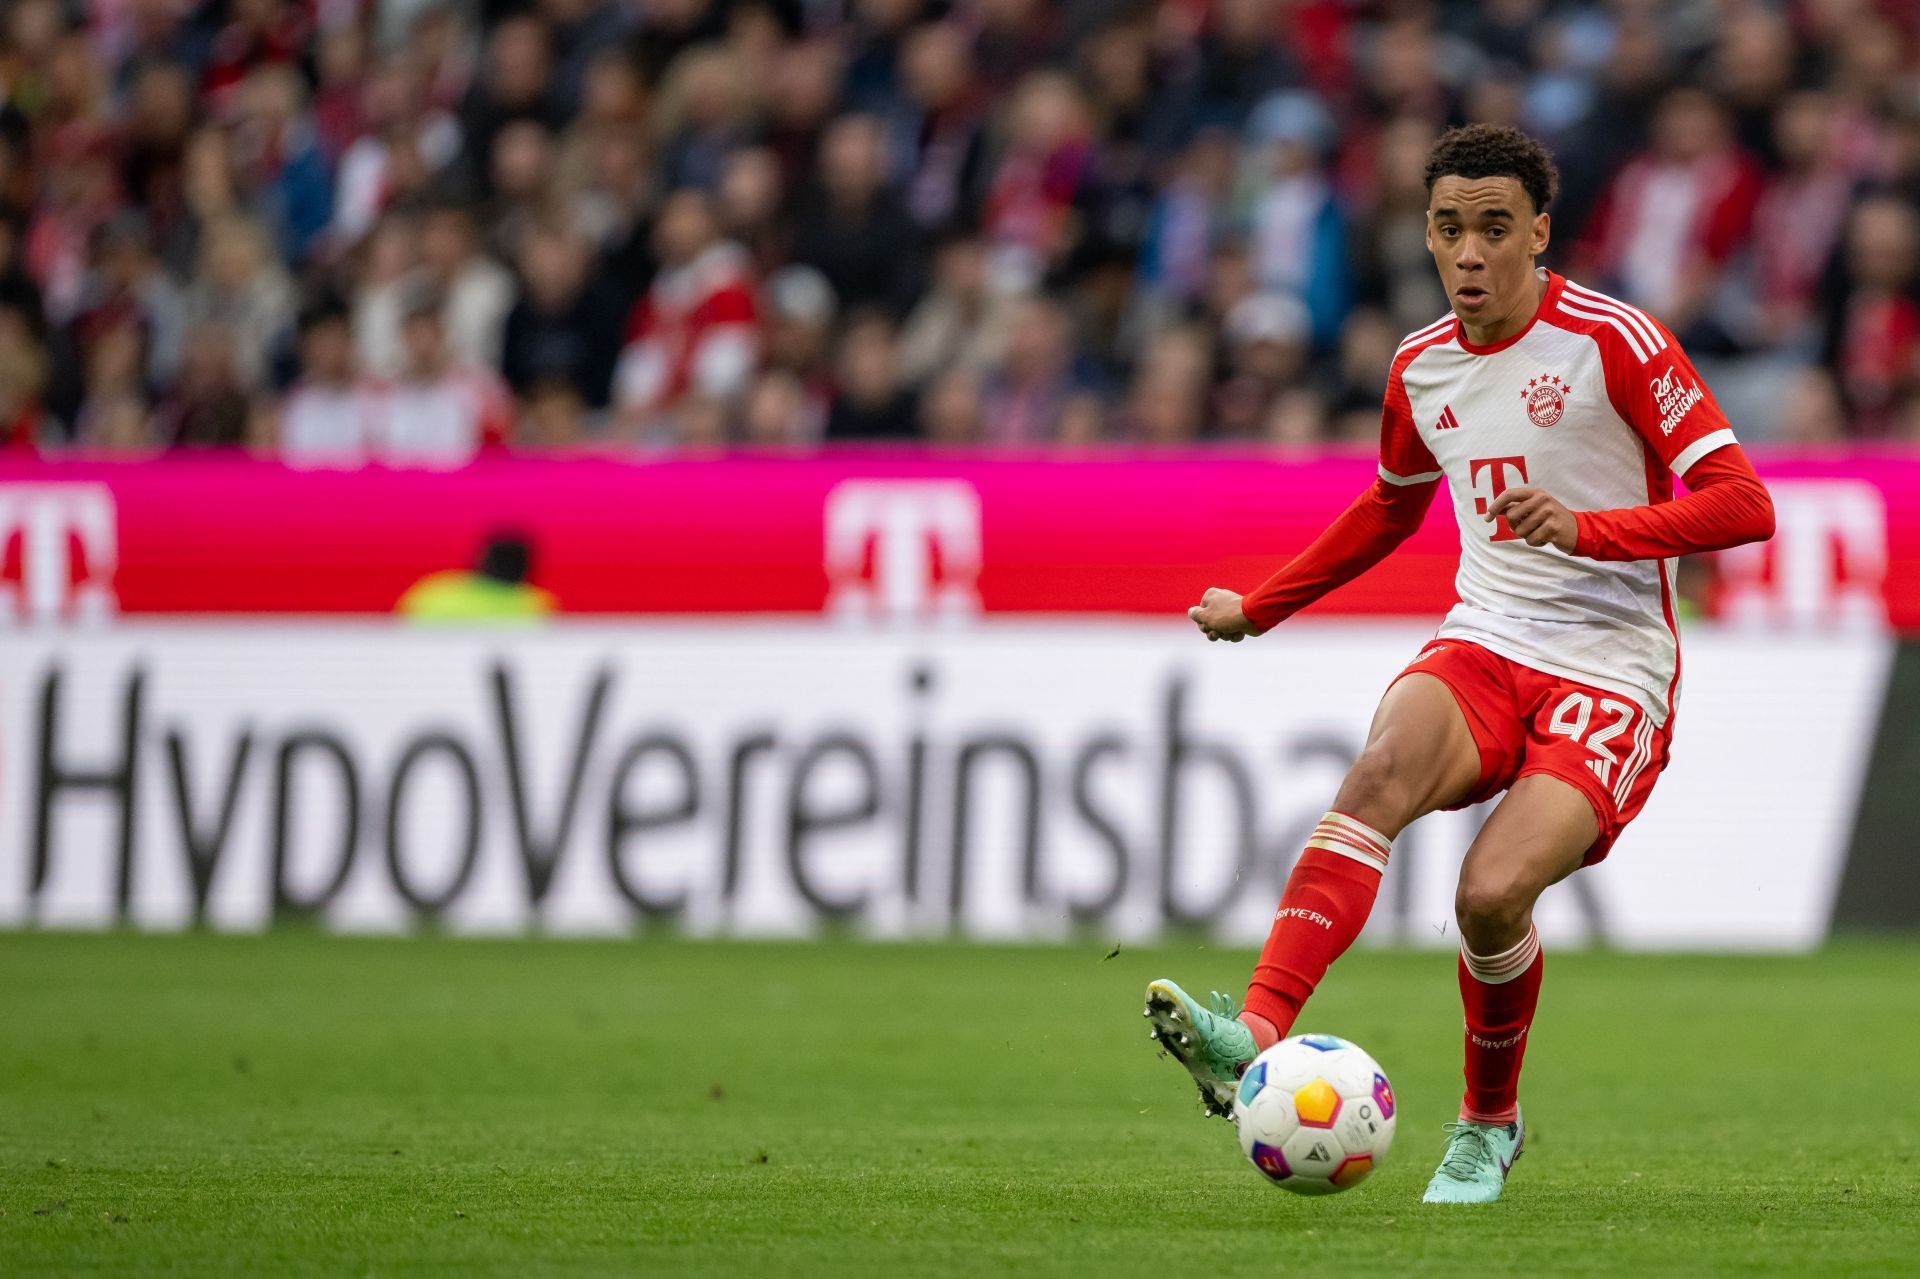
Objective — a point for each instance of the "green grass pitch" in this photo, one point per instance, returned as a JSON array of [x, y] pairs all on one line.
[[301, 1105]]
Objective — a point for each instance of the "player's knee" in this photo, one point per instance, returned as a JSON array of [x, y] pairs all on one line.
[[1376, 789], [1492, 903]]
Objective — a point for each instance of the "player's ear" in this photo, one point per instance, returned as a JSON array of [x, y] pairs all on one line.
[[1542, 233]]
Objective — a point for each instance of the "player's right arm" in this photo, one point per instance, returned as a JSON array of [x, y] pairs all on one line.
[[1378, 521]]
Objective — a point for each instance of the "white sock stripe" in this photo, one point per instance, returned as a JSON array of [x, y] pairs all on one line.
[[1359, 828], [1503, 956], [1632, 314], [1349, 851], [1498, 969], [1640, 352], [1500, 977]]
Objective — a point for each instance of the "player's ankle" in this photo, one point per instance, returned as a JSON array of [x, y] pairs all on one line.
[[1265, 1033]]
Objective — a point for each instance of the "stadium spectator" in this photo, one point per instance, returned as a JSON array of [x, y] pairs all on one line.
[[1190, 216], [241, 288], [1676, 213], [869, 401], [210, 404], [1039, 380], [440, 412], [935, 126], [1137, 169], [1236, 63], [24, 372], [853, 231], [495, 591], [478, 290], [1873, 320], [566, 326], [1298, 234], [329, 417], [1798, 221], [960, 321], [515, 86], [695, 331]]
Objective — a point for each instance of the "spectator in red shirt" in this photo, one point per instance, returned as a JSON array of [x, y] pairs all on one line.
[[1676, 213], [695, 330], [1799, 219]]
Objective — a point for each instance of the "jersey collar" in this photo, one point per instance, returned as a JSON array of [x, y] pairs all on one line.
[[1554, 283]]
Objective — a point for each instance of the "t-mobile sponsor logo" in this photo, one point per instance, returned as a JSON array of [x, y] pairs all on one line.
[[1301, 912], [1508, 1042], [1825, 567], [903, 549], [58, 545]]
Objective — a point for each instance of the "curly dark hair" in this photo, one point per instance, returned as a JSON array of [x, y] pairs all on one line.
[[1495, 151]]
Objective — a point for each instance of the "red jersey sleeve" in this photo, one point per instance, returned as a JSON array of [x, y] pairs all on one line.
[[1728, 506], [1367, 531], [1404, 456], [1654, 386]]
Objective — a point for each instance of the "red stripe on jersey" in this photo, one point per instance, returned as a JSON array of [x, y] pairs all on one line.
[[1660, 490]]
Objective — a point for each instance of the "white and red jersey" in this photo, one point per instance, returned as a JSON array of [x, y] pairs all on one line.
[[1593, 402], [695, 330], [445, 421], [329, 425]]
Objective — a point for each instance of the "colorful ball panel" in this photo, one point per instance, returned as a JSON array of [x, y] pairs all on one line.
[[1317, 1104], [1269, 1160], [1383, 1095], [1352, 1172]]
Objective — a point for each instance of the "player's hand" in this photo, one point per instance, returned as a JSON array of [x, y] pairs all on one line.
[[1535, 516], [1219, 617]]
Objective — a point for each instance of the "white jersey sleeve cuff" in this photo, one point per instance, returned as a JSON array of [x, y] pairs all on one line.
[[1427, 476], [1700, 448]]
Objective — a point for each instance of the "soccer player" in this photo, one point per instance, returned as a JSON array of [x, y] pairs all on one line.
[[1558, 418]]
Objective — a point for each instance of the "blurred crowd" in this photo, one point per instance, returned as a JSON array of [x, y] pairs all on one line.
[[410, 230]]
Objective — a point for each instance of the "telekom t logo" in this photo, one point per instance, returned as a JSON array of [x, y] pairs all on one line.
[[58, 547], [1502, 473], [1825, 567], [902, 549]]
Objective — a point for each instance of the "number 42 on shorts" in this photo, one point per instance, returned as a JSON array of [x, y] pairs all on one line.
[[1575, 715]]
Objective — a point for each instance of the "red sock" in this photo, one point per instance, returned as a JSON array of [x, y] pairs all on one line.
[[1500, 993], [1326, 902]]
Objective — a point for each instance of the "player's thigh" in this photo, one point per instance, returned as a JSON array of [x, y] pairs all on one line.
[[1420, 756], [1536, 837]]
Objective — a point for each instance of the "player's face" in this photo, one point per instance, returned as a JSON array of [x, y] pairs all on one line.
[[1484, 236]]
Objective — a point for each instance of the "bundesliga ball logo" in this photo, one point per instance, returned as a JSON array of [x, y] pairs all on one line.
[[1546, 399]]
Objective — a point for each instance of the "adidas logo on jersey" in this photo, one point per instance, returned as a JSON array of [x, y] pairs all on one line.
[[1602, 769], [1447, 420]]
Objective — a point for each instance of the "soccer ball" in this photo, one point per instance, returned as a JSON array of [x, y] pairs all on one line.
[[1315, 1114]]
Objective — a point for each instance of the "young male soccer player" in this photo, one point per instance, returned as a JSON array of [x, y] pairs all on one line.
[[1558, 417]]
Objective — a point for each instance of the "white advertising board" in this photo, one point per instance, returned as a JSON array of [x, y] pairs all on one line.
[[998, 780]]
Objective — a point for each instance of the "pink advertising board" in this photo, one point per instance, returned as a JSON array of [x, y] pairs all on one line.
[[862, 533]]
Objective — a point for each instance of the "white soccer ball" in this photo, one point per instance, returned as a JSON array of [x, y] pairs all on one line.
[[1315, 1114]]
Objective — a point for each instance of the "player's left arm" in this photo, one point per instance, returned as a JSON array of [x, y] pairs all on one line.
[[1669, 406]]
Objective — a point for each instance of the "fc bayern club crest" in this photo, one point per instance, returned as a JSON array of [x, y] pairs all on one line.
[[1546, 398]]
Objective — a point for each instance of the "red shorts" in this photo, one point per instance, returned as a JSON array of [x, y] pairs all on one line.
[[1526, 721]]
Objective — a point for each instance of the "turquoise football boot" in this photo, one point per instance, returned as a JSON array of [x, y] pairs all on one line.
[[1208, 1042], [1474, 1169]]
